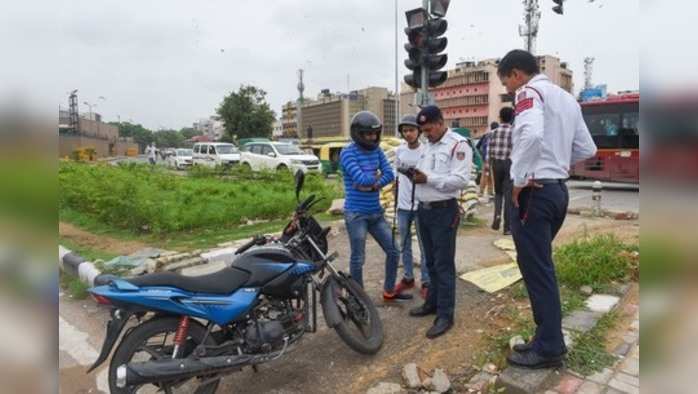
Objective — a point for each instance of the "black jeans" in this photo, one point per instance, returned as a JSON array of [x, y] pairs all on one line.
[[502, 190], [534, 225], [438, 228]]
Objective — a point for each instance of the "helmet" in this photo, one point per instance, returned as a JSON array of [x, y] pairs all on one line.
[[408, 120], [363, 122]]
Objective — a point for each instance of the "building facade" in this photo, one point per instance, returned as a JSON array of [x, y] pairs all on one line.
[[212, 127], [289, 121], [472, 95], [329, 115]]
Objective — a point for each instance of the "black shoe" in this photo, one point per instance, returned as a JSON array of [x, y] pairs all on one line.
[[531, 359], [422, 310], [523, 347], [440, 327], [495, 224]]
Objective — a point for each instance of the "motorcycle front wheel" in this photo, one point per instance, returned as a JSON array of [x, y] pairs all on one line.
[[360, 326]]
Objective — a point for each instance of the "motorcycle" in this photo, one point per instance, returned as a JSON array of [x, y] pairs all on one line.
[[191, 331]]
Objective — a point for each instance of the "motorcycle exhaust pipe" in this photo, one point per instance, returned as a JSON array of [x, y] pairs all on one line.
[[166, 370]]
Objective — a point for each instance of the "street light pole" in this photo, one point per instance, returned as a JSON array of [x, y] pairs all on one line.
[[397, 93]]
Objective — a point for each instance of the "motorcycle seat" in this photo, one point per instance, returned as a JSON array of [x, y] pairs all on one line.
[[225, 281]]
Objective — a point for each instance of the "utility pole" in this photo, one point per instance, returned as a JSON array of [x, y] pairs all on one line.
[[397, 88], [529, 31], [588, 71], [299, 114]]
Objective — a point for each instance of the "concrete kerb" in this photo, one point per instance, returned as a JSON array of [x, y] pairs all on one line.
[[521, 380], [74, 265]]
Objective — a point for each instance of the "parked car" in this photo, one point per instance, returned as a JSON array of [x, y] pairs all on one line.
[[181, 159], [213, 154], [278, 156]]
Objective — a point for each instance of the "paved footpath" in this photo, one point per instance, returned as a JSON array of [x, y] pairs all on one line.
[[623, 377]]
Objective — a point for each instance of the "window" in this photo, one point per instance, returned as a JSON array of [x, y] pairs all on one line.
[[227, 149], [196, 148], [266, 149], [211, 150]]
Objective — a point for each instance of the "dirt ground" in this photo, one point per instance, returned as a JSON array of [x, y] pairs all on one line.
[[98, 242], [322, 363]]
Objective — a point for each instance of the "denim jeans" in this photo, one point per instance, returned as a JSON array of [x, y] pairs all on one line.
[[358, 225], [405, 218]]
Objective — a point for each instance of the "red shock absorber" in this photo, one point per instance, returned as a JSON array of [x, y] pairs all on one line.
[[180, 335], [182, 329]]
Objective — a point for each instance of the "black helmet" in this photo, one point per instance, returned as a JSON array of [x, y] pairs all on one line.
[[408, 120], [363, 122]]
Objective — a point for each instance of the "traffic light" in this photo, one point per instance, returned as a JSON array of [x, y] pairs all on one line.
[[423, 48], [558, 9], [416, 36], [434, 44]]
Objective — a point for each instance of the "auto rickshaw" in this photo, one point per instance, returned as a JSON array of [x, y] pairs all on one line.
[[329, 156]]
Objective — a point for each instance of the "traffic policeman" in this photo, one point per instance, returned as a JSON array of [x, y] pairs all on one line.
[[442, 172], [549, 136]]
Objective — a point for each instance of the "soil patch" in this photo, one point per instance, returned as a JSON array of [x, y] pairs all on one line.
[[98, 242]]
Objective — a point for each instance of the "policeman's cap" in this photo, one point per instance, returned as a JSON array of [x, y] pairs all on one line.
[[430, 113]]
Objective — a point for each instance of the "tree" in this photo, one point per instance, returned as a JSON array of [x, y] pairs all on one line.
[[188, 132], [246, 114], [142, 136], [168, 139]]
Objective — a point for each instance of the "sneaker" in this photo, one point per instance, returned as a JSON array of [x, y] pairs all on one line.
[[405, 284], [395, 296], [424, 291]]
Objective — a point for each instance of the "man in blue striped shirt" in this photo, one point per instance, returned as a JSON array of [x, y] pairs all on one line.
[[366, 170]]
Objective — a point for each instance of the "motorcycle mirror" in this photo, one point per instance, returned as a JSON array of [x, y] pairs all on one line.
[[300, 178]]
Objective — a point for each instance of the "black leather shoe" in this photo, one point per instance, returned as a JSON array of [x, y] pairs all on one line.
[[495, 224], [523, 347], [531, 359], [422, 310], [440, 327]]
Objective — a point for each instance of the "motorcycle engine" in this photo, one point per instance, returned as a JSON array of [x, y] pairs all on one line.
[[264, 335]]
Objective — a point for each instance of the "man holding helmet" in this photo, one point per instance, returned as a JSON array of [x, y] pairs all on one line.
[[366, 170], [407, 156]]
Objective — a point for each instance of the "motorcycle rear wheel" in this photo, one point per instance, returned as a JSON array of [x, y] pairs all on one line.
[[361, 328], [150, 341]]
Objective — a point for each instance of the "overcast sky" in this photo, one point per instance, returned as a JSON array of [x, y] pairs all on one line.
[[168, 63]]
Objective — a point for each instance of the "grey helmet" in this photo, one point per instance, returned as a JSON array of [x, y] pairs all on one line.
[[363, 122], [408, 120]]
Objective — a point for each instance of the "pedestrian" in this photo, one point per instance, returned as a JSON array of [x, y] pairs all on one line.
[[366, 170], [499, 152], [549, 136], [485, 181], [151, 151], [407, 156], [442, 172]]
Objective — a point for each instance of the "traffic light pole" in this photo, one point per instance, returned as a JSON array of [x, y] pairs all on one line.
[[423, 97]]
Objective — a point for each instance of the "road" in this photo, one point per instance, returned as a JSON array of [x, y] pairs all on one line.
[[614, 197]]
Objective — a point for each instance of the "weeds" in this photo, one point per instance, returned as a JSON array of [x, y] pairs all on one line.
[[596, 262], [142, 199], [589, 354], [74, 286]]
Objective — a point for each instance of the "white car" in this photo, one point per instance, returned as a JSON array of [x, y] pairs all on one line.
[[278, 156], [213, 154], [180, 159]]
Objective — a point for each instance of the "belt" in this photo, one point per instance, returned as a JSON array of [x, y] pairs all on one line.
[[549, 181], [436, 204]]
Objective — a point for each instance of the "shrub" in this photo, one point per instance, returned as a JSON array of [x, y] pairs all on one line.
[[141, 198], [595, 261]]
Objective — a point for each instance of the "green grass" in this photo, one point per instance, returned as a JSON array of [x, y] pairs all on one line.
[[74, 286], [89, 254], [589, 354], [145, 200], [571, 300], [596, 261]]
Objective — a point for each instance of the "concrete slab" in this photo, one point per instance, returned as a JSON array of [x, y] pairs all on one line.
[[581, 321], [516, 380], [601, 303]]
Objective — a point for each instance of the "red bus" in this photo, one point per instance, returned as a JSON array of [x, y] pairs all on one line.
[[612, 123]]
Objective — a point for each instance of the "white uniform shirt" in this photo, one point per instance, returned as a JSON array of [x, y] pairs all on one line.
[[446, 164], [151, 150], [407, 158], [549, 133]]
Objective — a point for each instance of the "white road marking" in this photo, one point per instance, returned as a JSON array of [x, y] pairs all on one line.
[[74, 342]]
